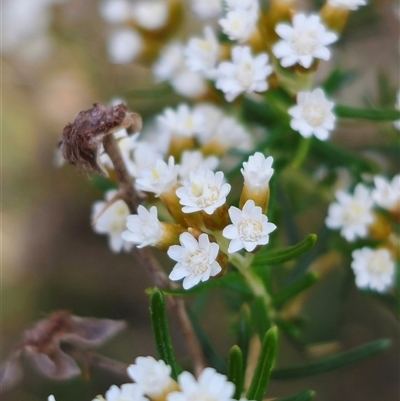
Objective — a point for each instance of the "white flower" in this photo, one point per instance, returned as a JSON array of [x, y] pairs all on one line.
[[145, 155], [203, 190], [51, 398], [151, 14], [257, 171], [373, 268], [202, 54], [179, 122], [191, 160], [127, 392], [313, 115], [210, 386], [158, 179], [347, 4], [196, 260], [305, 40], [152, 377], [144, 228], [397, 107], [189, 83], [352, 214], [209, 116], [239, 24], [244, 74], [169, 62], [124, 45], [205, 9], [250, 228], [115, 11], [112, 222], [387, 194]]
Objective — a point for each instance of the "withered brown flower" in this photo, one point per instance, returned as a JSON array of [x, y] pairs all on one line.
[[42, 345], [81, 140]]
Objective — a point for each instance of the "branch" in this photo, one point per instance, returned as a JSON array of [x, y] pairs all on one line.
[[149, 261]]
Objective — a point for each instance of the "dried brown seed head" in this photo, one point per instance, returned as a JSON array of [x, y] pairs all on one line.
[[81, 140]]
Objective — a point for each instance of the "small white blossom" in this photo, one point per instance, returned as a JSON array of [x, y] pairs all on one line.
[[203, 190], [210, 386], [144, 228], [145, 155], [347, 4], [373, 268], [239, 24], [51, 398], [196, 259], [112, 222], [180, 122], [313, 115], [127, 392], [244, 74], [352, 213], [152, 377], [209, 116], [151, 14], [387, 194], [257, 171], [115, 11], [192, 160], [206, 9], [158, 179], [305, 40], [169, 62], [124, 45], [250, 228], [202, 54], [189, 83]]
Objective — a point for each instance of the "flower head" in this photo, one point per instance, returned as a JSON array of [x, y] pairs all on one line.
[[144, 228], [115, 11], [124, 45], [239, 24], [158, 179], [196, 259], [210, 386], [127, 392], [250, 228], [373, 268], [257, 171], [203, 190], [112, 222], [202, 54], [352, 214], [313, 115], [387, 194], [152, 377], [303, 41], [151, 14], [180, 122], [193, 159], [347, 4], [244, 74], [206, 9]]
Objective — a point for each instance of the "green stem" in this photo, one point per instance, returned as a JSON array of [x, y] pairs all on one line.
[[302, 152]]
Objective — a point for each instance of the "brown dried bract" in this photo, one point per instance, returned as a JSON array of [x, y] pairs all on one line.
[[81, 140]]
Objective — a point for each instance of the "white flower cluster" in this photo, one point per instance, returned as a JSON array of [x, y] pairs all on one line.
[[152, 380], [359, 215]]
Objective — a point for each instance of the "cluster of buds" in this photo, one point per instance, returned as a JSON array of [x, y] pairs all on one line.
[[371, 214], [153, 382]]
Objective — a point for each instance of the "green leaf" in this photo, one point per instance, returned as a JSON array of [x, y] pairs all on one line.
[[266, 257], [161, 334], [332, 362], [266, 362], [260, 316], [306, 281], [235, 370], [303, 396], [366, 114], [233, 281], [244, 333], [338, 156], [337, 79]]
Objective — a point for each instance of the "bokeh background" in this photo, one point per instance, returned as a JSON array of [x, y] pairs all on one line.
[[54, 64]]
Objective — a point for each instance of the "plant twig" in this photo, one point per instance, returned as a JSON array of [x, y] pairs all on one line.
[[148, 260]]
